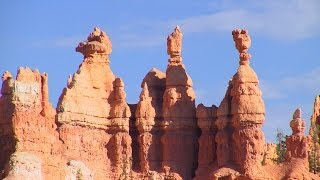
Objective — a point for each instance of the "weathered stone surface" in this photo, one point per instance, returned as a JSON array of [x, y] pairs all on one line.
[[78, 170], [23, 165]]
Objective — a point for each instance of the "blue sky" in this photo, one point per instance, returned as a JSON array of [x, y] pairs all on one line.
[[285, 45]]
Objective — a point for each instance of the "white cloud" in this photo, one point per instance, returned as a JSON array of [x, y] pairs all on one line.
[[288, 19], [270, 91], [284, 20], [308, 82]]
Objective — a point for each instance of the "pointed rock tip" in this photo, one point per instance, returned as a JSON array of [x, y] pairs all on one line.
[[157, 73], [177, 28], [118, 82], [96, 29], [297, 113], [6, 75], [155, 70]]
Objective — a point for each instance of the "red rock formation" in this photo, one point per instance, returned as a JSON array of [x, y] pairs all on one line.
[[247, 111], [223, 123], [145, 115], [31, 125], [180, 129], [7, 140], [297, 148], [239, 139], [93, 115], [297, 143], [315, 117], [207, 146], [94, 135]]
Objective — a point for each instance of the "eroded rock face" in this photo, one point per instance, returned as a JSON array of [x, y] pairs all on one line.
[[23, 165], [78, 170], [27, 120]]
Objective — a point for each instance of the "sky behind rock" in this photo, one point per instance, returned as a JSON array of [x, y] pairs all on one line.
[[285, 45]]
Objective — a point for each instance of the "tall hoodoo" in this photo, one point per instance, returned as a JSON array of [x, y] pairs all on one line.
[[297, 143], [247, 110], [86, 100], [149, 119], [93, 115], [179, 125], [297, 148], [145, 121], [315, 117]]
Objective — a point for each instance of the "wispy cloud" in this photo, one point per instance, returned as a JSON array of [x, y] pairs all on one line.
[[304, 82], [284, 20], [270, 91], [288, 19], [299, 83]]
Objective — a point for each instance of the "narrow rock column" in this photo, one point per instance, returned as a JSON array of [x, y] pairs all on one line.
[[315, 117], [206, 117], [47, 109], [145, 115], [297, 143], [120, 114], [248, 110], [298, 148], [180, 129], [224, 128]]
